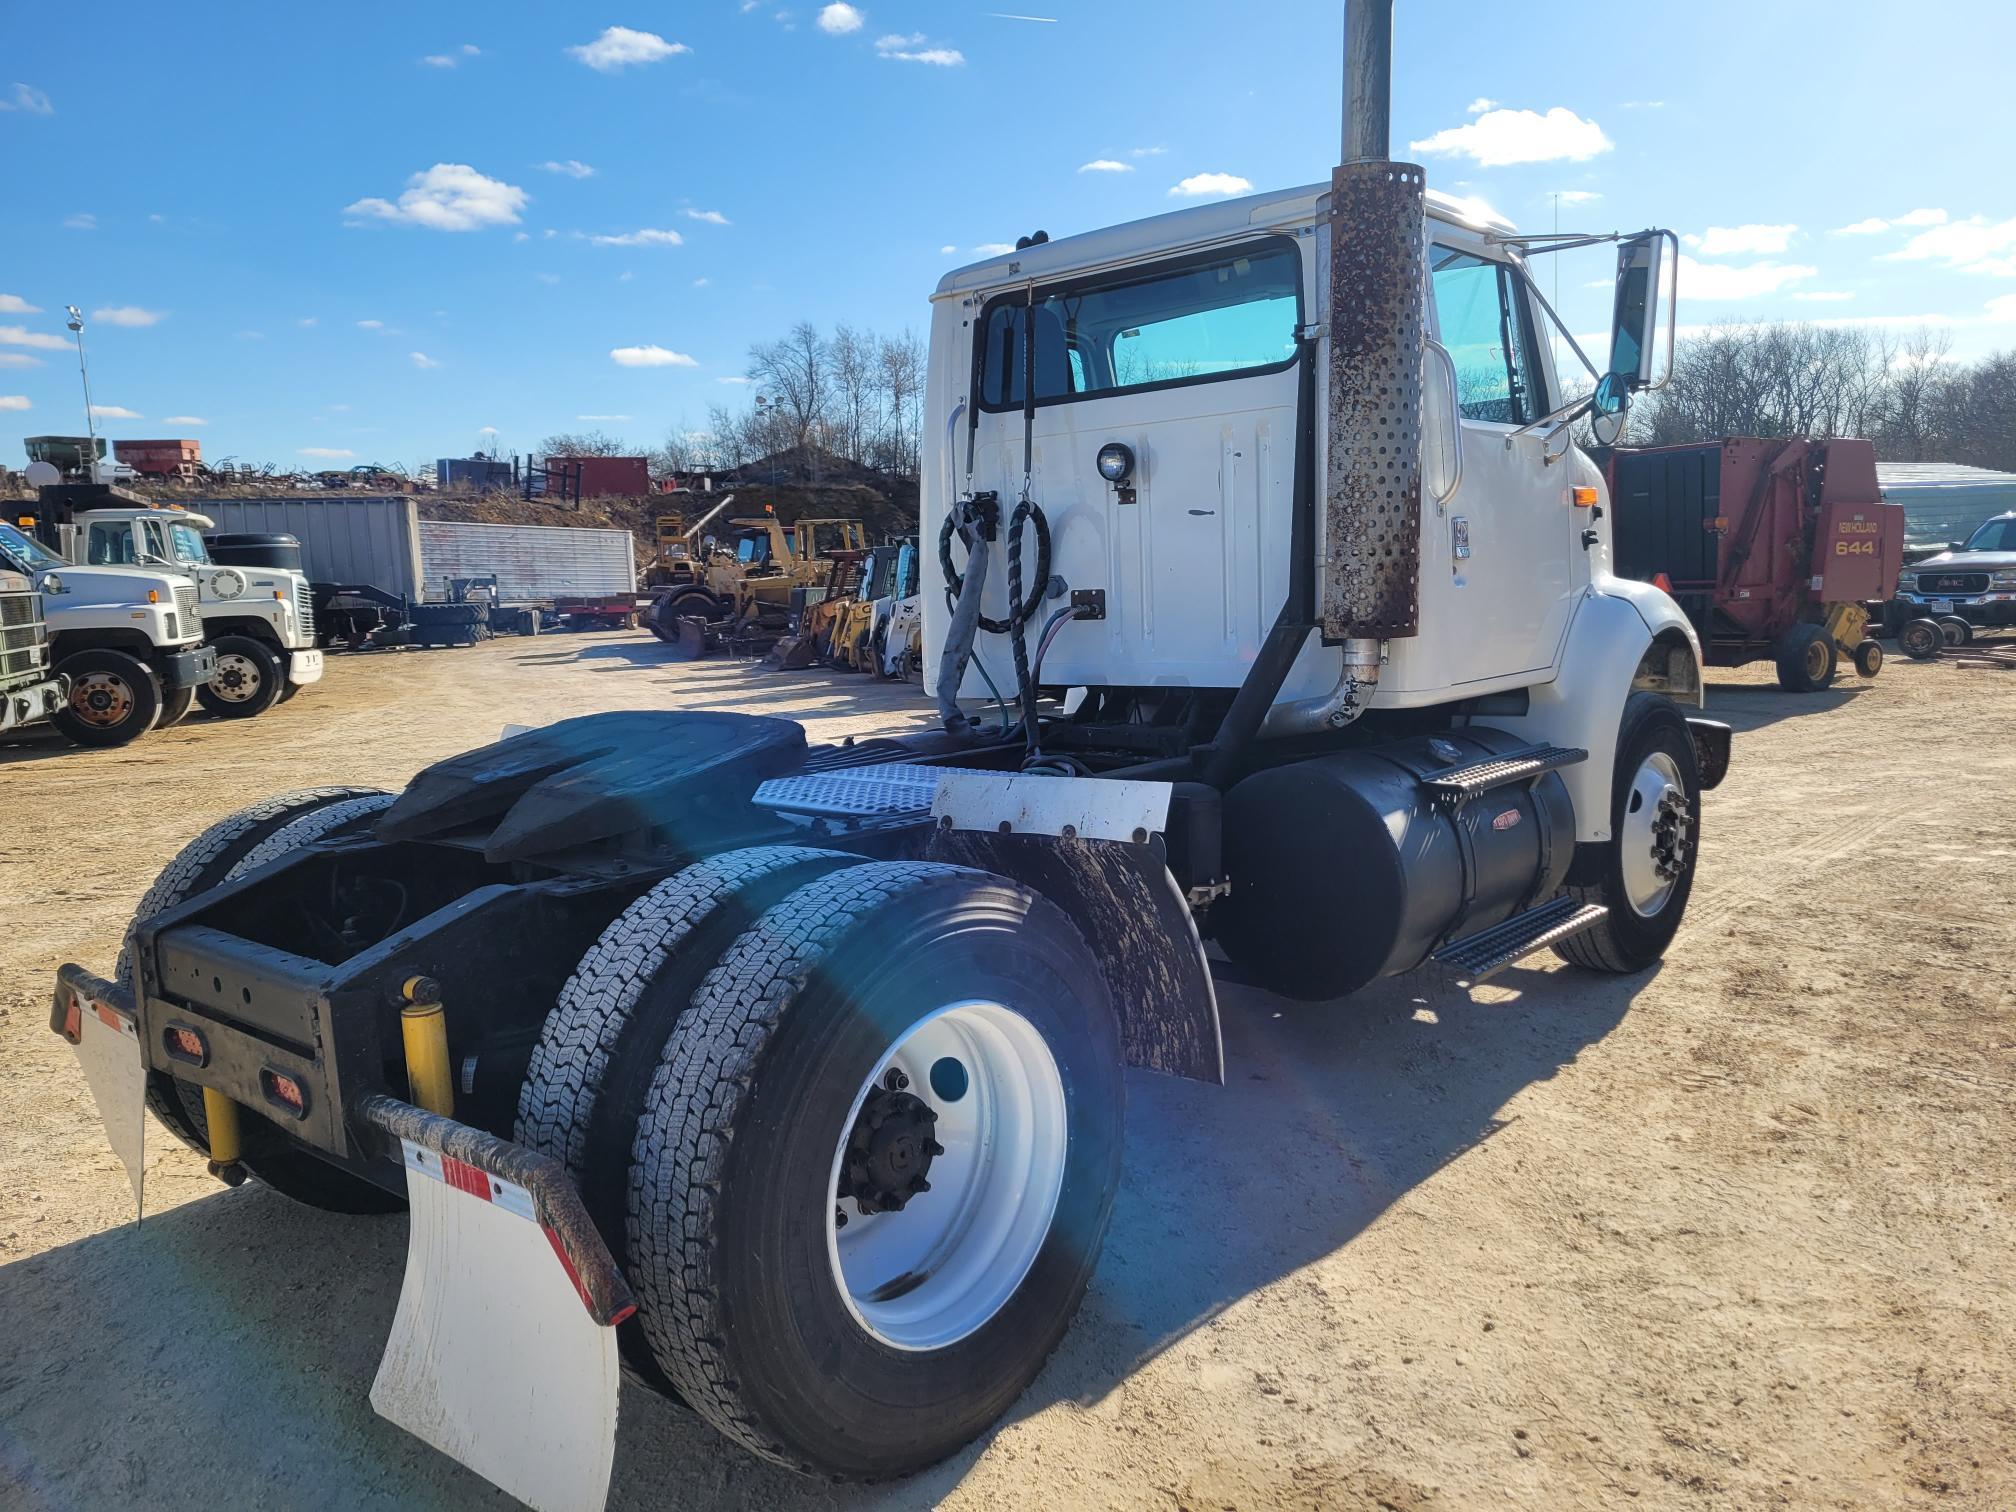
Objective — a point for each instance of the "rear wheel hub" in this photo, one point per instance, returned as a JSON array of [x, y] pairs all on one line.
[[889, 1152]]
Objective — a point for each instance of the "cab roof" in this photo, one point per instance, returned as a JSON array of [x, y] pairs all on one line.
[[1132, 240]]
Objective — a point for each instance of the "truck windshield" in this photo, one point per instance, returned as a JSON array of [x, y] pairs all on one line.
[[1996, 535], [23, 553], [188, 544]]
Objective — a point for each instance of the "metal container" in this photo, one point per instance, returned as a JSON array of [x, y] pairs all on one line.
[[1944, 502], [365, 541], [530, 562]]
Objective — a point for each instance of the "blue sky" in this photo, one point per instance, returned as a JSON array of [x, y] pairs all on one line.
[[368, 235]]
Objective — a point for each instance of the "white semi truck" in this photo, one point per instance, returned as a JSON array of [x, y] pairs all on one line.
[[1272, 604], [260, 620], [127, 640]]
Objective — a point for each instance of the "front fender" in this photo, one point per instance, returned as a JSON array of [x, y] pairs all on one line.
[[1604, 659]]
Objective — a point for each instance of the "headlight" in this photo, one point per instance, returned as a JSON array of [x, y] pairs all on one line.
[[2005, 578], [1116, 462]]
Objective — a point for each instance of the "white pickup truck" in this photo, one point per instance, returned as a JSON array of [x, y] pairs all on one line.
[[259, 620]]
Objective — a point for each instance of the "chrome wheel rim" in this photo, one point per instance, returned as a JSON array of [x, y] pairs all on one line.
[[104, 699], [970, 1151], [236, 679], [1657, 834]]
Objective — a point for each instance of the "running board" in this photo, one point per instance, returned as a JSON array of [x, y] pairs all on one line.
[[1458, 785], [1479, 957]]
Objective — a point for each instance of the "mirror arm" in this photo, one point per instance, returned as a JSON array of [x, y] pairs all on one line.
[[1533, 287], [1568, 414]]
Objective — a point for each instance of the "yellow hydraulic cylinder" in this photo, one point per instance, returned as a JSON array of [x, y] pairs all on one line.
[[423, 1024], [220, 1115]]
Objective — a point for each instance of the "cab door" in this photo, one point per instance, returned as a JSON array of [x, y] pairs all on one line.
[[1500, 546]]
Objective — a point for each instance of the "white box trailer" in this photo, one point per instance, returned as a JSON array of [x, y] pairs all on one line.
[[532, 563]]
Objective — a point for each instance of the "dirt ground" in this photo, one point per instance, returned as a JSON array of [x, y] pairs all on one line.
[[1735, 1233]]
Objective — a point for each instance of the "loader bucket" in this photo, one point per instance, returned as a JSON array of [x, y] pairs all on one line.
[[791, 654]]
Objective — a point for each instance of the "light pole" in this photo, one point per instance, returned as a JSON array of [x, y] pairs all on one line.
[[770, 408], [76, 324]]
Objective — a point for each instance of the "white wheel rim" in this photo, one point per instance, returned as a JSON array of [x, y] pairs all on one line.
[[243, 687], [103, 699], [1657, 797], [927, 1276]]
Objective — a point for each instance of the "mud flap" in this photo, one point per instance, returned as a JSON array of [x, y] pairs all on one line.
[[503, 1349], [97, 1018]]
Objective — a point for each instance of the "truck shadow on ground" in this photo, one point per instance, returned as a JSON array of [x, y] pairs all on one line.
[[1753, 706], [225, 1350]]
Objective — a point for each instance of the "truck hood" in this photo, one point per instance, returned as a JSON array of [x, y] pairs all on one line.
[[112, 585], [1967, 561]]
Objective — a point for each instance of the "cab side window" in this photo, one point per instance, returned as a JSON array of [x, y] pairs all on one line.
[[1488, 328], [110, 546]]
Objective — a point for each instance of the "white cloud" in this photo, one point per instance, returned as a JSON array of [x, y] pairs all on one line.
[[1148, 152], [448, 197], [1479, 105], [1579, 197], [901, 49], [1201, 185], [1699, 280], [547, 278], [115, 412], [644, 238], [422, 361], [1824, 296], [1105, 165], [15, 402], [327, 453], [84, 220], [947, 250], [601, 417], [735, 380], [251, 335], [711, 217], [128, 315], [1975, 245], [1729, 241], [440, 60], [18, 360], [1876, 223], [370, 325], [305, 321], [14, 304], [698, 283], [838, 20], [184, 420], [1499, 138], [619, 47], [650, 356], [993, 249], [572, 167], [2001, 307], [27, 97], [1644, 104], [13, 335]]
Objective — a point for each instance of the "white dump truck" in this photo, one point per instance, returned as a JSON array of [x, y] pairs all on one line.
[[260, 620], [30, 691], [1271, 603], [127, 640]]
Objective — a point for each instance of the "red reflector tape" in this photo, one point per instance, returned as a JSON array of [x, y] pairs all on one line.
[[73, 1021], [107, 1017], [464, 1177], [567, 1264]]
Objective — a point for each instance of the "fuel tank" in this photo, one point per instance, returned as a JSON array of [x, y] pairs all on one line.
[[1347, 867]]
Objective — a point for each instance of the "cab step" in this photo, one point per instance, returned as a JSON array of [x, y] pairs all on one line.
[[1458, 785], [1481, 956]]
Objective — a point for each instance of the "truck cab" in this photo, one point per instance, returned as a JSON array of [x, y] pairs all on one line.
[[129, 640], [259, 620], [30, 691]]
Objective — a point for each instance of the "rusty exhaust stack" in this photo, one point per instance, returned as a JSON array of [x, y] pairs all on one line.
[[1372, 517]]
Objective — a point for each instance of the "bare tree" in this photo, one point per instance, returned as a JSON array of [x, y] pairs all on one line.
[[900, 360], [593, 443], [851, 367], [793, 373]]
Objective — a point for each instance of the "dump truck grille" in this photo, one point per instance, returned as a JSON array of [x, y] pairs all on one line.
[[304, 605], [24, 643], [185, 600], [1953, 582]]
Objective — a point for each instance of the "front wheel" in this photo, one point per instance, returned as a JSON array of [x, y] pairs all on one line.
[[875, 1167], [114, 698], [1644, 872], [248, 679], [1922, 639], [1869, 658]]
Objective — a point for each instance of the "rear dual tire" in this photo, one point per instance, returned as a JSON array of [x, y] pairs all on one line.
[[725, 1044]]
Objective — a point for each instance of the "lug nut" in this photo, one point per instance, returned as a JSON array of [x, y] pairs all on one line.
[[895, 1081]]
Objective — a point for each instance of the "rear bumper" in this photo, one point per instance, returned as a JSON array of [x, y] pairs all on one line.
[[187, 669], [36, 702]]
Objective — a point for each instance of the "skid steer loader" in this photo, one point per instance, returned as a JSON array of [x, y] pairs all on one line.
[[791, 1075]]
